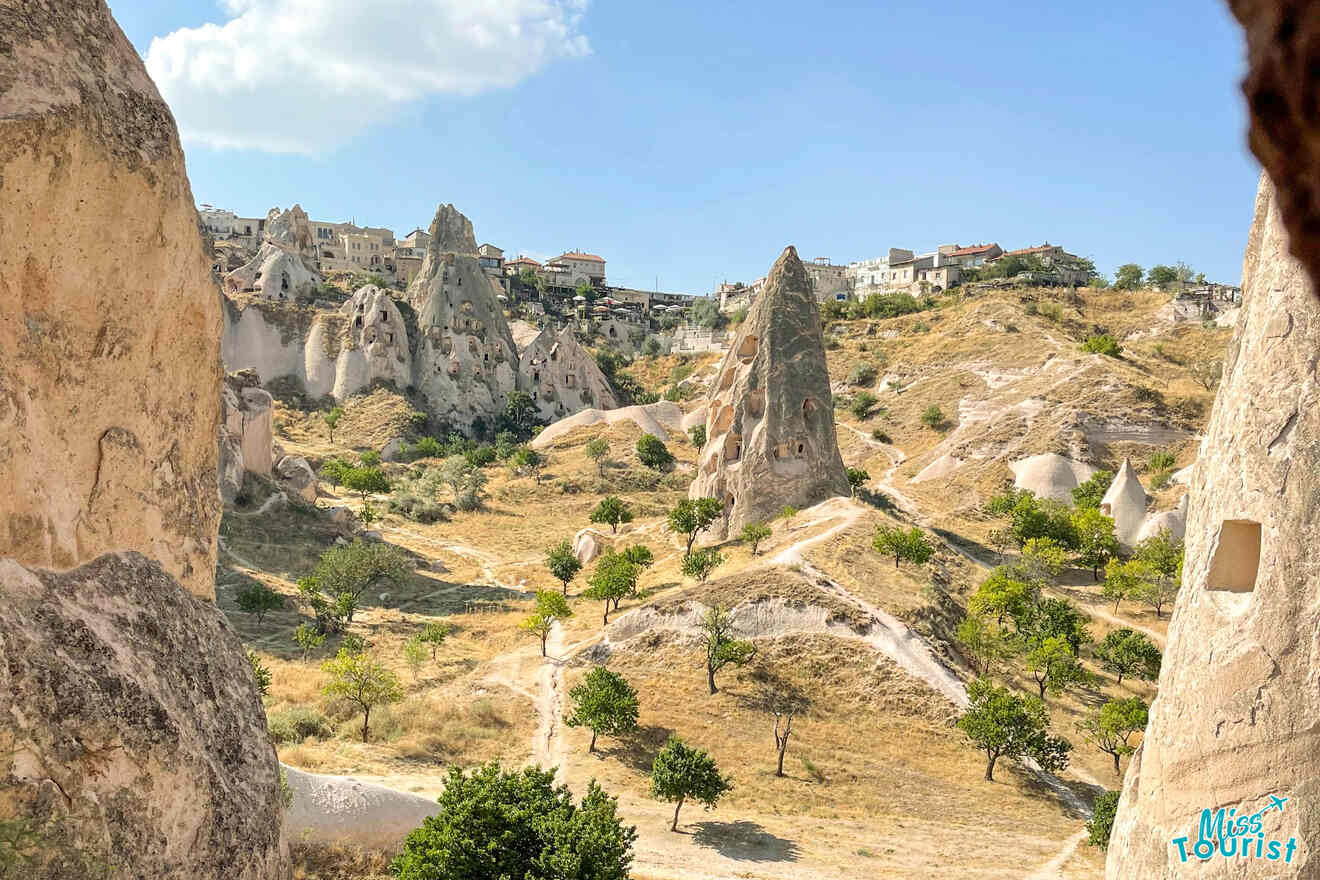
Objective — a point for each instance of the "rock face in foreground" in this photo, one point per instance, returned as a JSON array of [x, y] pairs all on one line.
[[141, 743], [770, 421], [1238, 708], [466, 363], [109, 346]]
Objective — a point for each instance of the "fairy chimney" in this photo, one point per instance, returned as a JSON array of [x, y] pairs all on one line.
[[770, 422], [1125, 503]]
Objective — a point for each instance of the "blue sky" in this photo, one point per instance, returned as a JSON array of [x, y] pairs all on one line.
[[690, 142]]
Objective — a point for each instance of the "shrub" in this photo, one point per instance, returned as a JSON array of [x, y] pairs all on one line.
[[862, 374], [652, 452], [881, 436], [698, 435], [257, 598], [427, 447], [862, 404], [292, 726], [1102, 822], [1052, 311], [1102, 343], [415, 507], [1160, 459], [932, 417], [481, 456]]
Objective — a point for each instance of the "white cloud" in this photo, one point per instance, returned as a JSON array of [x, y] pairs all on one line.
[[304, 76]]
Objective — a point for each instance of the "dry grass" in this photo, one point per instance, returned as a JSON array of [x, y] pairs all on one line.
[[318, 861]]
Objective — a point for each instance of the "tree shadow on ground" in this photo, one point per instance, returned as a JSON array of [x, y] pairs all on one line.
[[1035, 785], [638, 750], [745, 841]]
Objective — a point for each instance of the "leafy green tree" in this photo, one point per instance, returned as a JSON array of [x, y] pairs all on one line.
[[1124, 579], [612, 511], [932, 417], [1128, 652], [365, 480], [652, 452], [1044, 558], [465, 480], [862, 404], [363, 681], [722, 649], [1162, 554], [857, 478], [615, 577], [598, 450], [1128, 276], [550, 608], [1113, 726], [562, 562], [754, 533], [705, 312], [497, 825], [257, 598], [520, 415], [639, 555], [908, 545], [1090, 493], [414, 654], [1102, 343], [260, 674], [369, 458], [307, 639], [699, 564], [332, 417], [1053, 666], [698, 435], [1005, 594], [527, 460], [1007, 725], [334, 470], [343, 574], [1162, 276], [1096, 542], [1054, 618], [785, 700], [434, 634], [690, 517], [983, 643], [681, 772], [603, 702], [1101, 824]]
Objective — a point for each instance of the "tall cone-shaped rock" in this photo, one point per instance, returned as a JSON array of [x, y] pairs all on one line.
[[466, 363], [769, 418], [132, 738], [1238, 709]]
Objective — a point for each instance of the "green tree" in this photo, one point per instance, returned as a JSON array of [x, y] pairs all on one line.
[[722, 649], [496, 825], [434, 634], [690, 517], [1044, 558], [562, 562], [1162, 276], [1162, 554], [862, 404], [257, 598], [908, 545], [698, 435], [699, 564], [754, 533], [1128, 276], [520, 415], [598, 450], [465, 480], [1054, 617], [612, 511], [1090, 493], [1123, 580], [332, 417], [652, 452], [363, 681], [932, 417], [260, 674], [550, 608], [1053, 666], [785, 700], [857, 478], [615, 577], [527, 460], [1096, 542], [1101, 824], [334, 470], [365, 480], [307, 639], [1007, 725], [1005, 594], [1113, 726], [1102, 343], [983, 643], [603, 702], [414, 654], [343, 574], [681, 772], [369, 458], [1128, 652]]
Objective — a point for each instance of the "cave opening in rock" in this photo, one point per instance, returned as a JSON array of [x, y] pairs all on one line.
[[1237, 557]]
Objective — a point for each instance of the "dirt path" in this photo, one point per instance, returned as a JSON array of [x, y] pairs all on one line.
[[548, 747], [1053, 869]]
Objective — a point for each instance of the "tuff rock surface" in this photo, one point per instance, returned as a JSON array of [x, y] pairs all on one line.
[[563, 376], [375, 344], [1238, 710], [770, 420], [273, 273], [109, 358], [133, 732], [247, 412], [1125, 503]]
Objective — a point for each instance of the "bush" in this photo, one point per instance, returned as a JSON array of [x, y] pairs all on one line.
[[932, 417], [1102, 822], [862, 374], [652, 452], [1159, 460], [698, 435], [862, 403], [415, 507], [480, 456], [292, 726], [1102, 343], [881, 436], [427, 447]]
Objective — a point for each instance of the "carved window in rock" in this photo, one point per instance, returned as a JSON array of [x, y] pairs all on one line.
[[284, 281], [357, 321], [389, 337], [733, 448], [613, 333], [371, 336], [747, 348], [384, 315], [473, 348], [570, 381], [756, 403], [801, 448], [447, 345], [809, 408], [1237, 557], [536, 375]]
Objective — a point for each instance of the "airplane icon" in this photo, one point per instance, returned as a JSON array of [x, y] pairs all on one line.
[[1276, 803]]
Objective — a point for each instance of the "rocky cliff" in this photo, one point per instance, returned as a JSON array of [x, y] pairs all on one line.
[[1238, 708], [770, 438], [133, 736], [562, 376]]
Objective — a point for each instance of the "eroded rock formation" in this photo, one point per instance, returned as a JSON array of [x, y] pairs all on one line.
[[1125, 503], [770, 421], [374, 344], [274, 273], [562, 376], [247, 420], [466, 363], [1238, 709], [132, 737]]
